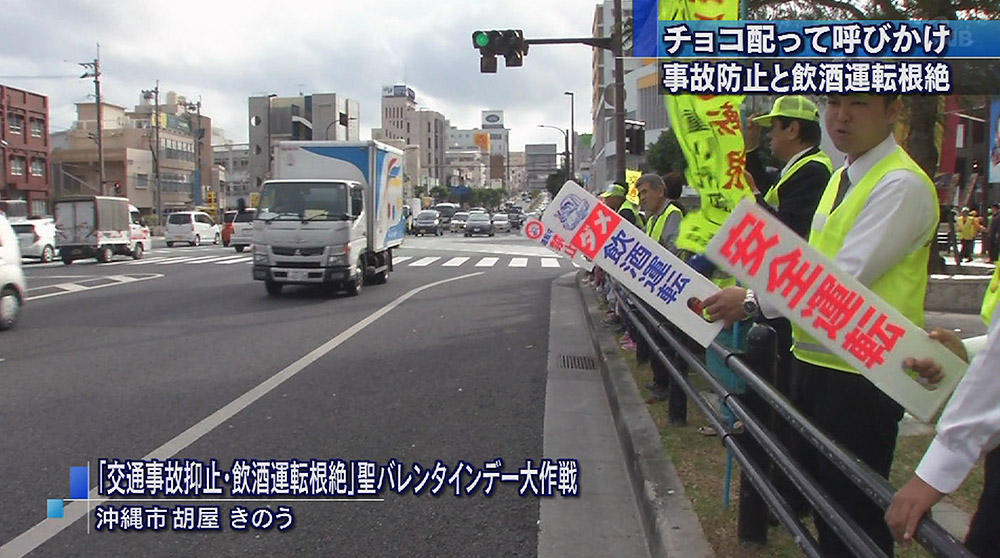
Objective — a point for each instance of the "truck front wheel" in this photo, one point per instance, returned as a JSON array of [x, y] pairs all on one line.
[[273, 287], [354, 285]]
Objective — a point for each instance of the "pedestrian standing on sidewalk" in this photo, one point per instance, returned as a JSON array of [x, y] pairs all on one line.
[[968, 227], [876, 220]]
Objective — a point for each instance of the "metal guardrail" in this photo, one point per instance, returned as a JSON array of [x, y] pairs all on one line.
[[758, 446]]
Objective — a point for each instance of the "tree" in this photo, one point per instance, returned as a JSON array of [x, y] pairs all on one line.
[[439, 193], [665, 155], [555, 181]]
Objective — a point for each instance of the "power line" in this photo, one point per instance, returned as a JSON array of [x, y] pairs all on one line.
[[39, 77]]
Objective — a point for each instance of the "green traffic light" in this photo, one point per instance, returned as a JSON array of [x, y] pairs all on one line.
[[481, 39]]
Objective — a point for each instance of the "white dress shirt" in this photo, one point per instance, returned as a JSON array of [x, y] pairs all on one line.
[[970, 425], [796, 157], [899, 216]]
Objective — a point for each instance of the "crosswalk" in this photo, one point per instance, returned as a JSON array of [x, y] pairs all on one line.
[[399, 262]]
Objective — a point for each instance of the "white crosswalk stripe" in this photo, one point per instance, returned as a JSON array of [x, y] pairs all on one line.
[[518, 262], [550, 262], [146, 261], [400, 259], [233, 260], [205, 259], [175, 260], [423, 262], [487, 262], [455, 262]]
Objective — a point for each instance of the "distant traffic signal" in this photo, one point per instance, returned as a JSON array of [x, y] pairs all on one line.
[[118, 187], [635, 137], [509, 43]]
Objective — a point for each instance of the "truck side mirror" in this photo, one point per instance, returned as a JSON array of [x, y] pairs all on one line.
[[357, 206]]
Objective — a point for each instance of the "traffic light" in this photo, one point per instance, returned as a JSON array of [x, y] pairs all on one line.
[[635, 137], [118, 187], [509, 43]]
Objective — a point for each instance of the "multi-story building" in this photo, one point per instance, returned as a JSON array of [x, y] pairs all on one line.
[[518, 172], [604, 165], [493, 140], [426, 129], [24, 148], [186, 166], [235, 183], [467, 167], [320, 116], [540, 160]]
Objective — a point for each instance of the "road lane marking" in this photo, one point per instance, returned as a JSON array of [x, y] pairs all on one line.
[[455, 262], [487, 262], [518, 262], [74, 288], [400, 259], [48, 528], [550, 262], [423, 262], [233, 259]]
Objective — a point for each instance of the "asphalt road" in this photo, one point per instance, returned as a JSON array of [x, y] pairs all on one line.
[[136, 358]]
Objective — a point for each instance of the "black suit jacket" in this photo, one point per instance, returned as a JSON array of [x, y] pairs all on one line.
[[799, 196]]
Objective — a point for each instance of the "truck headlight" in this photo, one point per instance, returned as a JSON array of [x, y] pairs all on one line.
[[260, 255], [336, 259]]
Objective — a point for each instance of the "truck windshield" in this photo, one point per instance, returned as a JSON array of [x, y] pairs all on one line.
[[445, 210], [320, 201]]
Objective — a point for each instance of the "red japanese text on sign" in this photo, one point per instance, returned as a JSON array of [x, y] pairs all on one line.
[[596, 230], [737, 165], [729, 124], [747, 245], [834, 306], [557, 243], [870, 346], [786, 272]]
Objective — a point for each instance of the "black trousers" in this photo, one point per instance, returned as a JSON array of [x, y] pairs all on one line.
[[865, 422], [983, 539], [968, 247]]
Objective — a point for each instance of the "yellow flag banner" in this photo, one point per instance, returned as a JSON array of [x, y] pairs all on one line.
[[631, 177], [710, 134]]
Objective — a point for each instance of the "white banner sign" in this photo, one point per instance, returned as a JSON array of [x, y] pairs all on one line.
[[536, 230], [578, 219], [833, 307]]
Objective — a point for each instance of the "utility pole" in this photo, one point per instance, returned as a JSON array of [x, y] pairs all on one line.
[[616, 51], [157, 191], [197, 133], [93, 69], [572, 135]]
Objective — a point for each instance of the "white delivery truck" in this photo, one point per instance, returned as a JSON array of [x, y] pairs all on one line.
[[331, 217], [99, 227]]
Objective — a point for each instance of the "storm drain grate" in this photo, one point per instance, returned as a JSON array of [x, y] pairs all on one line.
[[574, 362]]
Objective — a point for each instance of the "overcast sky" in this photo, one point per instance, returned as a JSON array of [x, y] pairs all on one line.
[[228, 50]]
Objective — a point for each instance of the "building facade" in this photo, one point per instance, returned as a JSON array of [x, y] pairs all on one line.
[[25, 149], [320, 116], [540, 160]]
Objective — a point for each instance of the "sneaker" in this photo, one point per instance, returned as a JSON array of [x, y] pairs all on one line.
[[629, 346]]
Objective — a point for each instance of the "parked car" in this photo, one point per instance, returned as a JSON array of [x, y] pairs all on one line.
[[458, 221], [12, 286], [501, 223], [227, 226], [243, 229], [36, 238], [192, 227], [479, 223], [428, 222]]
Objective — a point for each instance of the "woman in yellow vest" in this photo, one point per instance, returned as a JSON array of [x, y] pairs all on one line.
[[968, 227], [879, 184]]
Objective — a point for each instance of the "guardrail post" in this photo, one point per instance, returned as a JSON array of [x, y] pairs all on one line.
[[762, 358]]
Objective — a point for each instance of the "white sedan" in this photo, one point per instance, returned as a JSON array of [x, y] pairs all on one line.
[[501, 222]]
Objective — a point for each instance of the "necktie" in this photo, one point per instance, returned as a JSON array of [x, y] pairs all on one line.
[[845, 184]]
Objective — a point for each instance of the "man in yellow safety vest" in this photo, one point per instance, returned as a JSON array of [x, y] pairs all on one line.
[[879, 184]]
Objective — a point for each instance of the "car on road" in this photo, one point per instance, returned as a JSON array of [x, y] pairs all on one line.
[[445, 211], [192, 227], [428, 221], [479, 223], [36, 238], [501, 222], [227, 226], [478, 210], [12, 286], [458, 221], [517, 217], [242, 229]]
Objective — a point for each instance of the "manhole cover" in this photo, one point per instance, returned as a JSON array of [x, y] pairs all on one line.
[[574, 362]]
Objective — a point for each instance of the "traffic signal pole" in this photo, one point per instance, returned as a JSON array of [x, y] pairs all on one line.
[[511, 44]]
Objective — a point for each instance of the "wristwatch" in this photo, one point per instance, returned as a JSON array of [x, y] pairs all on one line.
[[750, 306]]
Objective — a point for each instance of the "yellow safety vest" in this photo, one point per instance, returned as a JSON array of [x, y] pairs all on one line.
[[992, 297], [654, 227], [635, 210], [903, 286], [967, 227], [820, 157]]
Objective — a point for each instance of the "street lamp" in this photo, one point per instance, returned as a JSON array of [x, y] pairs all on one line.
[[566, 153], [3, 166], [572, 134]]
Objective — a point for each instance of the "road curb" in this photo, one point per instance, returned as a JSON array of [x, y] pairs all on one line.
[[672, 528]]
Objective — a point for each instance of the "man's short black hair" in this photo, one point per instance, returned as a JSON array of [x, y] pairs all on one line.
[[809, 130], [674, 182]]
